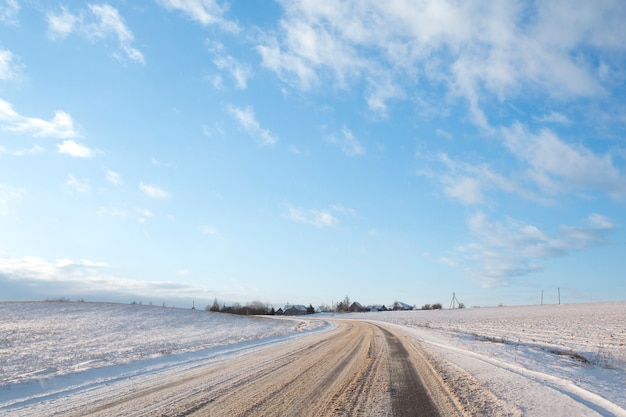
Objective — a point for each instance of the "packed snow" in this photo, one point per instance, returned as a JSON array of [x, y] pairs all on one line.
[[557, 360]]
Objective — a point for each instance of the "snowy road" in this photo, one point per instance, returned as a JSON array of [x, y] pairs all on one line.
[[115, 359], [356, 368]]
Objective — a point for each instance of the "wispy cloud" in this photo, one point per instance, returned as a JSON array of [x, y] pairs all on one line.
[[154, 191], [110, 23], [112, 212], [8, 195], [556, 166], [475, 51], [33, 150], [10, 67], [158, 163], [98, 21], [348, 143], [543, 166], [470, 184], [76, 150], [9, 11], [553, 117], [113, 177], [78, 186], [208, 230], [227, 63], [205, 12], [61, 125], [61, 24], [247, 119], [143, 214], [318, 218], [501, 251], [85, 278]]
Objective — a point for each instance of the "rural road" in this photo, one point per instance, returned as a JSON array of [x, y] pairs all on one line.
[[355, 369]]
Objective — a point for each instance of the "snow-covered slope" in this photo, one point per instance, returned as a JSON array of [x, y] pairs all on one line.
[[44, 339]]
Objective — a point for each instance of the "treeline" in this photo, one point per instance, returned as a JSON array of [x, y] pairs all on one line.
[[253, 308], [257, 308]]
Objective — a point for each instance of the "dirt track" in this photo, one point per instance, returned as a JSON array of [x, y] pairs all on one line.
[[356, 369]]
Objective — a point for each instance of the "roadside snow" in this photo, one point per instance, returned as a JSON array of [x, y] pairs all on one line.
[[557, 360]]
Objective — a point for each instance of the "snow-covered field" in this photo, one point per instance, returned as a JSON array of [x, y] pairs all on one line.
[[538, 360], [533, 357], [44, 339]]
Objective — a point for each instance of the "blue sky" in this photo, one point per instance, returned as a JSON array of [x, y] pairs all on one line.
[[302, 151]]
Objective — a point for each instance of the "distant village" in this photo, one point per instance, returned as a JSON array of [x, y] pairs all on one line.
[[344, 306]]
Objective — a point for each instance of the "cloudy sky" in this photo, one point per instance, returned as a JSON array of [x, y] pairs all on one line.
[[304, 150]]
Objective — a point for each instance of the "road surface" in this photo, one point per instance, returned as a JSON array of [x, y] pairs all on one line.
[[356, 369]]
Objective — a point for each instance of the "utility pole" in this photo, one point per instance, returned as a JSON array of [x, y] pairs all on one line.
[[454, 302], [541, 297], [559, 289]]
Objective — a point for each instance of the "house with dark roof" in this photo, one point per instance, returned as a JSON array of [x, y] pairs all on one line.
[[398, 305], [356, 307], [294, 310]]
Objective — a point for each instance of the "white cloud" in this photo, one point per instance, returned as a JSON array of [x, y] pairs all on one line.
[[477, 51], [469, 183], [248, 122], [8, 195], [554, 117], [61, 125], [158, 163], [501, 251], [9, 67], [349, 145], [237, 71], [143, 214], [317, 218], [33, 150], [556, 166], [66, 277], [99, 21], [543, 167], [113, 177], [112, 212], [205, 12], [465, 189], [208, 230], [444, 134], [76, 150], [154, 191], [227, 63], [80, 187], [111, 23], [60, 25], [9, 11]]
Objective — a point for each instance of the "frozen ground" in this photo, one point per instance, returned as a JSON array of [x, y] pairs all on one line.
[[538, 360]]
